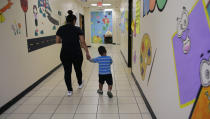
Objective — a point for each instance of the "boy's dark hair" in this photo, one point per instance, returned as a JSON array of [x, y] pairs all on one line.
[[101, 50]]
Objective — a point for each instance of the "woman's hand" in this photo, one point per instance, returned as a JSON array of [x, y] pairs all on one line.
[[88, 56]]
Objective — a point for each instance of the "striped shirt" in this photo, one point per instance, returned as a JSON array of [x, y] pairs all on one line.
[[104, 64]]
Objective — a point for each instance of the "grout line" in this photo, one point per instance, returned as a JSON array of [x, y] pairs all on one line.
[[134, 94], [82, 94], [42, 102]]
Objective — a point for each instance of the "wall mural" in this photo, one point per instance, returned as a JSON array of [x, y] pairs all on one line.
[[124, 21], [4, 9], [46, 11], [101, 22], [145, 55], [135, 26], [192, 54], [42, 9], [149, 6], [146, 58], [24, 6], [202, 106], [16, 28], [208, 7]]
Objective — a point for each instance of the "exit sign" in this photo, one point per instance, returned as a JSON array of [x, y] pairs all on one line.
[[99, 4]]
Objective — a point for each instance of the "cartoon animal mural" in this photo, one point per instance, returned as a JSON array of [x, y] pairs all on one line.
[[183, 30], [191, 53], [145, 55], [149, 6], [4, 9]]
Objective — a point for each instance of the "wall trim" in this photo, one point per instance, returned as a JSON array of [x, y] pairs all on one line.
[[144, 98], [26, 91], [124, 57]]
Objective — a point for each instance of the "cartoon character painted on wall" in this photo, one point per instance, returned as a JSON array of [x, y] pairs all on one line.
[[45, 10], [191, 57], [183, 30], [145, 55], [35, 12], [43, 6], [4, 9]]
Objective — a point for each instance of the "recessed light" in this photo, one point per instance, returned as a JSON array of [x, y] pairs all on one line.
[[106, 4], [93, 5]]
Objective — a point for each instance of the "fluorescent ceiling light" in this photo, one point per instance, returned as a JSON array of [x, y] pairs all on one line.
[[107, 9], [93, 4], [106, 4]]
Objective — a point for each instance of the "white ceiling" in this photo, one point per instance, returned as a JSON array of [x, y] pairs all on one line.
[[115, 3]]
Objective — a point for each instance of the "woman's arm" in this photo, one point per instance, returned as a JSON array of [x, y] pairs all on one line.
[[83, 43], [58, 39]]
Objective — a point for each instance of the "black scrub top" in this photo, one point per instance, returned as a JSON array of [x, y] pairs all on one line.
[[70, 41]]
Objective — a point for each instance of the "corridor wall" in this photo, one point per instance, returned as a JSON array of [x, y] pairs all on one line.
[[20, 68], [124, 28], [171, 40]]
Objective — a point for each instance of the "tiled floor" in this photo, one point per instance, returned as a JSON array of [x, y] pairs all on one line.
[[50, 101]]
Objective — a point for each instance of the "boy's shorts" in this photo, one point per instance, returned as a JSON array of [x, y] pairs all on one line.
[[107, 78]]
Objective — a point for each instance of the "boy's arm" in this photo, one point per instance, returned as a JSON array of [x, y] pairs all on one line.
[[94, 60]]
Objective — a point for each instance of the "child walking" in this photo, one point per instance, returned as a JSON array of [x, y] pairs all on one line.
[[104, 62]]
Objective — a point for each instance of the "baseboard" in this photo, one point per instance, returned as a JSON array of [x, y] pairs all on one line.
[[144, 98], [26, 91], [124, 57]]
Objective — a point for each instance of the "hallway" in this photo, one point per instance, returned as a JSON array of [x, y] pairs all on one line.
[[49, 100]]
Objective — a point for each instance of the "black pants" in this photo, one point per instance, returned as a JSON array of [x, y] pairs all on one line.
[[67, 64]]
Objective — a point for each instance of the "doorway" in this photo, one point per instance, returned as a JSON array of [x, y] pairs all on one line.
[[82, 22], [130, 33]]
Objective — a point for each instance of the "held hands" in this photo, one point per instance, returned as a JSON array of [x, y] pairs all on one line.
[[88, 56]]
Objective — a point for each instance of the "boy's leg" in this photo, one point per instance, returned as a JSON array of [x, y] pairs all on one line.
[[101, 83], [110, 88], [109, 81], [100, 86]]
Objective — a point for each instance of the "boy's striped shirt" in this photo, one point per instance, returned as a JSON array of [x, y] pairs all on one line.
[[104, 64]]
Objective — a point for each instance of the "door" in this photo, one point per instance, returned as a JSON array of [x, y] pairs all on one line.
[[82, 22], [130, 33]]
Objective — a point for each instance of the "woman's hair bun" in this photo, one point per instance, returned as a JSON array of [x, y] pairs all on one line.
[[70, 12]]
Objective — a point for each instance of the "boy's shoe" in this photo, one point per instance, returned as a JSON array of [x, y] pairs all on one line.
[[109, 93], [70, 93], [80, 86], [100, 92]]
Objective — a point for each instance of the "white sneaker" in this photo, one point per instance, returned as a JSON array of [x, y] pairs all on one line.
[[80, 86], [69, 93]]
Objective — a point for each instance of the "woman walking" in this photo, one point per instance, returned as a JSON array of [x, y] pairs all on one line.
[[71, 37]]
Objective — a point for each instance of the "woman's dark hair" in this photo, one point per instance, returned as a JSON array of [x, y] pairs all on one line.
[[71, 17], [101, 50]]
